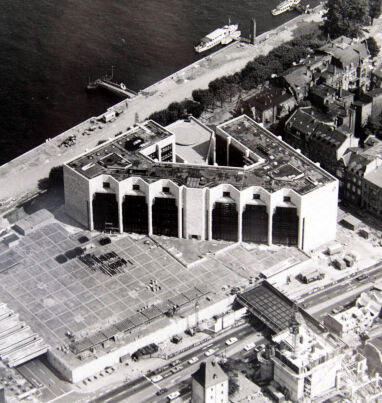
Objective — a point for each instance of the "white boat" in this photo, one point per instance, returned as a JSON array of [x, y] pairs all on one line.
[[221, 35], [285, 6]]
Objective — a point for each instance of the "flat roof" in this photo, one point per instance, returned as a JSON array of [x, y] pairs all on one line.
[[272, 307], [275, 165], [192, 140]]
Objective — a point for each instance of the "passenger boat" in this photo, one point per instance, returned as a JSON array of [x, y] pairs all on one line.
[[220, 36], [285, 6]]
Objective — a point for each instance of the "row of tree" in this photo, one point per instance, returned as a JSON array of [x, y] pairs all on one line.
[[224, 89], [348, 17]]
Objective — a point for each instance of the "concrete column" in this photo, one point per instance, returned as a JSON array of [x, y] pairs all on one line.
[[228, 144], [300, 227], [90, 213], [240, 223], [149, 200], [270, 221], [180, 215], [120, 217], [209, 216]]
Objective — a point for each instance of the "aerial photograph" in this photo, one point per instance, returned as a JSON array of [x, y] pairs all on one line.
[[191, 201]]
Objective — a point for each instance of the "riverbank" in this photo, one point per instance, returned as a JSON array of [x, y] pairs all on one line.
[[19, 179]]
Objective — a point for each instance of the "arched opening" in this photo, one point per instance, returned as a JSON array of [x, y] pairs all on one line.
[[255, 224], [285, 226], [135, 214], [165, 216], [105, 212], [225, 221]]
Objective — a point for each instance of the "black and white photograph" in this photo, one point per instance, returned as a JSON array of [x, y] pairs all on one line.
[[191, 201]]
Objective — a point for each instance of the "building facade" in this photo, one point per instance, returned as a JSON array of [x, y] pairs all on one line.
[[258, 189], [209, 383]]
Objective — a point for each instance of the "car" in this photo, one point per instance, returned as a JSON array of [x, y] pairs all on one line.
[[161, 391], [209, 352], [231, 341], [156, 378], [193, 360], [176, 369], [249, 346], [175, 363], [173, 395]]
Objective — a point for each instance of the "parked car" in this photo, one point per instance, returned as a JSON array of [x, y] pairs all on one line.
[[176, 369], [173, 395], [161, 391], [156, 378], [231, 341], [209, 352], [249, 346], [193, 360]]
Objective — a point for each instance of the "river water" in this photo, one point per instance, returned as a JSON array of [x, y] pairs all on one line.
[[50, 48]]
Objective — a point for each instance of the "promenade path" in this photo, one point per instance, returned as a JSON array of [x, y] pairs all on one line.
[[19, 178]]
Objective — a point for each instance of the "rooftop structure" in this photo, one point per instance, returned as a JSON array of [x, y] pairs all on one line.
[[273, 308], [241, 164]]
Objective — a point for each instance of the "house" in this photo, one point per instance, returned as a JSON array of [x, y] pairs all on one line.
[[210, 383], [361, 176], [268, 106], [319, 141], [349, 68], [298, 80]]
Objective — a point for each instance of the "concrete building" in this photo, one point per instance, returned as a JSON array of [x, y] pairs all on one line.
[[253, 187], [209, 383], [306, 364]]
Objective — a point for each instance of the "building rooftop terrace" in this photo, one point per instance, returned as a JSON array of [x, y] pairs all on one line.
[[276, 165]]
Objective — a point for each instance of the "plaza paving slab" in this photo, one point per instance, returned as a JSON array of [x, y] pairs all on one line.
[[54, 298]]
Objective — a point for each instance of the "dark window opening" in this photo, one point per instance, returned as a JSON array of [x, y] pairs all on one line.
[[135, 214], [256, 196], [255, 224], [165, 217], [287, 198], [225, 222], [226, 194], [136, 187], [106, 185], [166, 189]]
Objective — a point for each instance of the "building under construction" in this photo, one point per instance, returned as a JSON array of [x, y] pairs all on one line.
[[237, 183]]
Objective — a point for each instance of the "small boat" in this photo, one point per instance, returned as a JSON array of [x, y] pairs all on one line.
[[285, 6], [223, 36]]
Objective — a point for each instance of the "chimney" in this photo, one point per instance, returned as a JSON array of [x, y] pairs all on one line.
[[253, 32]]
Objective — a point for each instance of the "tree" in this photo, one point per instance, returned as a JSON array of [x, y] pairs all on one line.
[[375, 8], [372, 46], [345, 17]]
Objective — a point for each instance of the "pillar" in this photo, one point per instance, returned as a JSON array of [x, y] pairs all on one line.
[[180, 213], [253, 33], [270, 221], [90, 212], [228, 144], [240, 223], [120, 218]]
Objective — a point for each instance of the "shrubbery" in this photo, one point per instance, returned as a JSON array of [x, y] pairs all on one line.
[[253, 74]]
